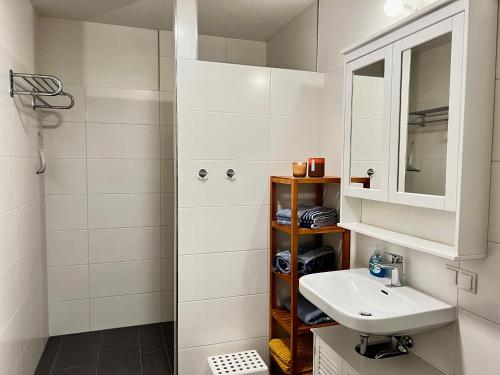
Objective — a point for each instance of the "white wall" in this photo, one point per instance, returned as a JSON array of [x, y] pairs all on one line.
[[295, 45], [467, 347], [228, 117], [109, 179], [23, 290], [232, 51]]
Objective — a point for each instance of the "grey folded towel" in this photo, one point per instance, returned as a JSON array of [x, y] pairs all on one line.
[[311, 259], [309, 216], [307, 312]]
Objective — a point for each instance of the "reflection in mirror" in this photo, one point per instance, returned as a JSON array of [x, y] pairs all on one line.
[[367, 116], [425, 96]]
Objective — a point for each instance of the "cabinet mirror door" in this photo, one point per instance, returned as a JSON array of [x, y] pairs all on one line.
[[425, 68], [368, 117]]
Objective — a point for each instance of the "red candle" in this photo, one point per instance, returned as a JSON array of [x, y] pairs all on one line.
[[316, 167]]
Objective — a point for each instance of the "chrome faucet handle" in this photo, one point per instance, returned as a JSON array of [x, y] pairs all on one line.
[[395, 258]]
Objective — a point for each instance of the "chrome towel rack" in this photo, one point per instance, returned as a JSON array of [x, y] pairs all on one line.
[[39, 87]]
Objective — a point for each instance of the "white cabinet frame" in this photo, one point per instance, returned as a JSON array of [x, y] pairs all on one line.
[[455, 26], [382, 194]]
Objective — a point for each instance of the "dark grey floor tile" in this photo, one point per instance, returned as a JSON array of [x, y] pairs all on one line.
[[170, 353], [155, 364], [151, 338], [49, 355], [124, 361], [80, 370], [119, 338], [168, 333], [78, 350]]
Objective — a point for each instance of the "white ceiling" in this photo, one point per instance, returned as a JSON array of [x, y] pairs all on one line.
[[149, 14], [245, 19]]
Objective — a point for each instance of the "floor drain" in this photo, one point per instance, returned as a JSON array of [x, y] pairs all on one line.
[[362, 313]]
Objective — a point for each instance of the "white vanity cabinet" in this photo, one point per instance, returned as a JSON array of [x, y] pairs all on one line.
[[418, 121], [334, 354]]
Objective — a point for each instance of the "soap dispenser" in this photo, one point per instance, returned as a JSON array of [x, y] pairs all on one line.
[[375, 261]]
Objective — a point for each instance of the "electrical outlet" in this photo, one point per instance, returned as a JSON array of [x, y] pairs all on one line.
[[465, 280]]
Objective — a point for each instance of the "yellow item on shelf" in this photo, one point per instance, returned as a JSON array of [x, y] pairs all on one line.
[[281, 354]]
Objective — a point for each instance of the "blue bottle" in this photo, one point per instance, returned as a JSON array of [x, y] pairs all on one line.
[[375, 261]]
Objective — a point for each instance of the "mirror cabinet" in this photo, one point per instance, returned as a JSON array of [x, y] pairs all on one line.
[[418, 118]]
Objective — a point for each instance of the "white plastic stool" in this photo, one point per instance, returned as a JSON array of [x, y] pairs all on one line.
[[248, 362]]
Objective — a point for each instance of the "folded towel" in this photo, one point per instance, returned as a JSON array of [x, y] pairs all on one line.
[[307, 312], [282, 260], [311, 259], [309, 216], [318, 217], [280, 351]]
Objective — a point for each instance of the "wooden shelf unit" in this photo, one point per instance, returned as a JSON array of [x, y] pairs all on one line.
[[299, 332]]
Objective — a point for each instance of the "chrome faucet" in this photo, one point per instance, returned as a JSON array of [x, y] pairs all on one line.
[[396, 268]]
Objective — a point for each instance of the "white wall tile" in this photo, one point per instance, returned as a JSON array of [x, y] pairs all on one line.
[[120, 57], [167, 108], [123, 210], [223, 320], [121, 106], [483, 303], [332, 139], [69, 317], [495, 155], [69, 44], [28, 185], [477, 343], [123, 141], [123, 311], [194, 360], [8, 239], [6, 131], [167, 242], [229, 274], [296, 93], [219, 229], [29, 224], [66, 176], [167, 74], [333, 97], [246, 137], [11, 345], [8, 294], [119, 245], [166, 43], [66, 212], [167, 274], [167, 209], [167, 176], [111, 279], [7, 194], [494, 223], [212, 48], [222, 87], [65, 140], [167, 142], [123, 176], [249, 186], [168, 306], [68, 283], [66, 248], [247, 52], [295, 138]]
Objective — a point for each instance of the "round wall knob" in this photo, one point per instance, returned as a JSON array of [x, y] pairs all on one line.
[[230, 173], [370, 172], [202, 173]]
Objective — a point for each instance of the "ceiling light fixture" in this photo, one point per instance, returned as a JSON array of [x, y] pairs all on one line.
[[394, 8]]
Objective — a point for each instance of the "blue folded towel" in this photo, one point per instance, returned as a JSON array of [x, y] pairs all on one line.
[[307, 312]]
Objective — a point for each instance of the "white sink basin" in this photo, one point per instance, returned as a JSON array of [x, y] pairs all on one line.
[[348, 296]]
